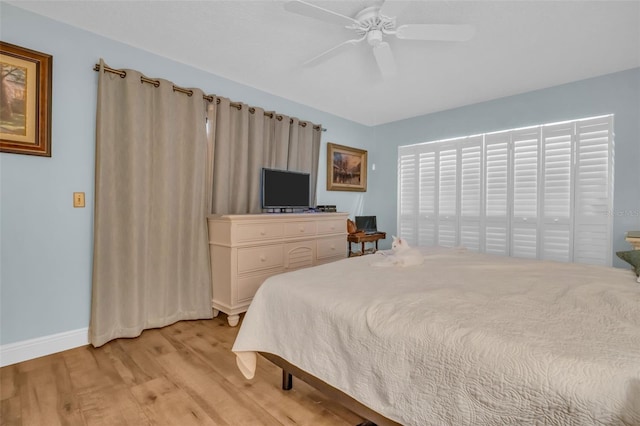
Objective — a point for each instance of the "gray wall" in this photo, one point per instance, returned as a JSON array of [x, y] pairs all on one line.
[[617, 93]]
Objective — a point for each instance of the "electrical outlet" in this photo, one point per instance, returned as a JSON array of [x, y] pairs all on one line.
[[78, 199]]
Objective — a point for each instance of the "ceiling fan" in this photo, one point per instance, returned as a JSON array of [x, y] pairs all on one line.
[[373, 24]]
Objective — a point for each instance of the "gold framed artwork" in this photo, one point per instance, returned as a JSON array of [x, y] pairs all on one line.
[[346, 168], [25, 101]]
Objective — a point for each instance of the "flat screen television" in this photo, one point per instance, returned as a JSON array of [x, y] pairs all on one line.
[[283, 189]]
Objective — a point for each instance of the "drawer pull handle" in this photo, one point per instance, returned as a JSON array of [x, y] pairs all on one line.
[[302, 229], [333, 247], [263, 232], [263, 258]]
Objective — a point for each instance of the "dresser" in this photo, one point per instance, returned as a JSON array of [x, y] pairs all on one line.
[[246, 249]]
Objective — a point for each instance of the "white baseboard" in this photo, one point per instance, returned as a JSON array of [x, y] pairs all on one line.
[[41, 346]]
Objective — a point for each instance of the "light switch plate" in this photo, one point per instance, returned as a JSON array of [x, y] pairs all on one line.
[[78, 199]]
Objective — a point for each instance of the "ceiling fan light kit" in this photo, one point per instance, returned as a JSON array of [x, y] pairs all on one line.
[[374, 37], [374, 25]]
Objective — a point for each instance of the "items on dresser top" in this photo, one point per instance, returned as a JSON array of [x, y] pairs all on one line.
[[245, 250]]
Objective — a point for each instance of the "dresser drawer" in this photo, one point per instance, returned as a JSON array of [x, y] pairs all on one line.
[[247, 286], [259, 258], [258, 231], [299, 254], [331, 247], [299, 229], [332, 226]]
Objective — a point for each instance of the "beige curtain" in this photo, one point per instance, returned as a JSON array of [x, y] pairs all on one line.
[[304, 151], [150, 259], [242, 140]]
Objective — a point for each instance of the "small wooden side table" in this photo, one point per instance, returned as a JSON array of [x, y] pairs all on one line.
[[365, 238], [633, 237]]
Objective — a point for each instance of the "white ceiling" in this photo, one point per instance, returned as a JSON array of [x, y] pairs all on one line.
[[519, 46]]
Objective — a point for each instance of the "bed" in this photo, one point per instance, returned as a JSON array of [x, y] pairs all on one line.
[[463, 339]]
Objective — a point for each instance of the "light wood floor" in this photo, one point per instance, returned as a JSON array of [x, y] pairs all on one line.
[[183, 374]]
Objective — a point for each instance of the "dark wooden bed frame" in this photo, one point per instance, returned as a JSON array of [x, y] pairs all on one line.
[[345, 400]]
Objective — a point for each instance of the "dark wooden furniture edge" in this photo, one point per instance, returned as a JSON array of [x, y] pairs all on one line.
[[364, 238], [345, 400]]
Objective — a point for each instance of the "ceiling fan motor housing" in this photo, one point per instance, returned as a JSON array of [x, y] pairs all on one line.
[[369, 20]]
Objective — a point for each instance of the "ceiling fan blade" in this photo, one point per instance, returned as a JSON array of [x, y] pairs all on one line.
[[436, 32], [317, 12], [384, 58], [334, 51]]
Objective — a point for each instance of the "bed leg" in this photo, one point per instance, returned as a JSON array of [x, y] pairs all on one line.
[[287, 380]]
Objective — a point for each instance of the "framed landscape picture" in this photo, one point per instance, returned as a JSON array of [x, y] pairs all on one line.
[[25, 101], [346, 168]]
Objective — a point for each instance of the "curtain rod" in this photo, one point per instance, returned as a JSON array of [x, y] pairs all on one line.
[[188, 92]]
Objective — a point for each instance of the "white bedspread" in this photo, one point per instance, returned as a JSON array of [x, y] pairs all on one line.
[[463, 339]]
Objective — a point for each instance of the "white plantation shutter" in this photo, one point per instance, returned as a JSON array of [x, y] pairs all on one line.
[[541, 192], [448, 195], [525, 153], [428, 198], [471, 195], [556, 193], [408, 194], [497, 181], [593, 200]]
